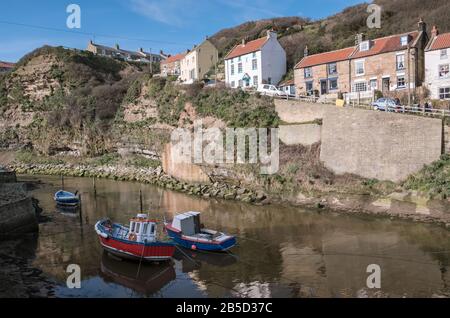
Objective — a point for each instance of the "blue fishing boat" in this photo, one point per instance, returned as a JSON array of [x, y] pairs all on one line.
[[66, 198], [186, 230]]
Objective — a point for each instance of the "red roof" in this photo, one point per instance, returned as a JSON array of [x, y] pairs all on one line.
[[6, 64], [248, 47], [174, 58], [387, 44], [442, 41], [325, 58], [381, 45]]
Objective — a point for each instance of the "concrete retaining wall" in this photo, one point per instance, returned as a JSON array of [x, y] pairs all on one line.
[[177, 168], [18, 215], [306, 134], [384, 146]]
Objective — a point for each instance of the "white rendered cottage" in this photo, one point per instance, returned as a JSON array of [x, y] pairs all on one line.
[[437, 65], [262, 61]]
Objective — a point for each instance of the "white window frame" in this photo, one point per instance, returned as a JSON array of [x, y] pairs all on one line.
[[442, 95], [362, 62], [308, 71], [444, 54], [404, 81], [447, 73], [397, 61], [364, 46], [360, 86]]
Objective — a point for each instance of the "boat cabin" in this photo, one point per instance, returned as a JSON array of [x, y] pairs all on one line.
[[142, 229], [188, 223]]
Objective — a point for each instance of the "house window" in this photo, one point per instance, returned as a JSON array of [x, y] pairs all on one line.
[[232, 69], [333, 83], [255, 64], [401, 83], [404, 40], [359, 67], [254, 55], [308, 72], [373, 84], [360, 87], [443, 70], [241, 83], [444, 93], [233, 83], [309, 87], [240, 68], [269, 80], [444, 54], [255, 80], [401, 62], [332, 69], [364, 46]]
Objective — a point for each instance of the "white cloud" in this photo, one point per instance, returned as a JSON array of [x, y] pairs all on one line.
[[170, 12]]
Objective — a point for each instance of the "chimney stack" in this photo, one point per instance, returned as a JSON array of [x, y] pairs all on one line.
[[243, 42], [271, 33], [306, 51], [117, 46], [359, 38], [422, 26], [435, 31]]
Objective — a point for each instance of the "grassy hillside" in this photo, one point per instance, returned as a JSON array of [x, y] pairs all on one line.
[[338, 31]]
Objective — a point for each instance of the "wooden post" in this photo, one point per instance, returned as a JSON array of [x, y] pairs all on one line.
[[140, 200], [95, 186], [80, 212], [62, 182]]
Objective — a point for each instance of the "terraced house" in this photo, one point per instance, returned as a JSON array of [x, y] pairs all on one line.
[[390, 64], [437, 65], [119, 53], [198, 62], [172, 65]]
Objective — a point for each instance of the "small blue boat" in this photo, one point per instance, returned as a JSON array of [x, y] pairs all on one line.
[[66, 198], [185, 230]]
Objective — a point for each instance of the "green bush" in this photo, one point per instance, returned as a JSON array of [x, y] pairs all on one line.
[[433, 179]]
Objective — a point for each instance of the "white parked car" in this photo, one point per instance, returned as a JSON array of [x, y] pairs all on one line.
[[271, 90]]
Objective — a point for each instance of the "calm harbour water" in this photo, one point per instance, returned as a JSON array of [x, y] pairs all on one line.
[[282, 252]]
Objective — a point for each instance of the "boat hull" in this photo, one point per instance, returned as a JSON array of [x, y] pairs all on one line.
[[66, 198], [203, 245], [154, 251], [150, 252]]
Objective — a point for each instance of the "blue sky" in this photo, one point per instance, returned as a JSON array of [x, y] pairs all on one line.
[[171, 25]]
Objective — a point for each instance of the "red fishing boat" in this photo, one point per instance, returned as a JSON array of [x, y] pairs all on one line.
[[137, 242]]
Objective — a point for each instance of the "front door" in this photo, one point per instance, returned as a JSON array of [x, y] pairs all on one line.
[[386, 85], [323, 87]]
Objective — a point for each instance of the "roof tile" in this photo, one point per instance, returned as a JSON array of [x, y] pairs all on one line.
[[249, 47], [442, 41]]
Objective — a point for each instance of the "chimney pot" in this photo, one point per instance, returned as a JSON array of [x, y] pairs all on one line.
[[243, 42], [435, 31], [306, 51], [117, 46]]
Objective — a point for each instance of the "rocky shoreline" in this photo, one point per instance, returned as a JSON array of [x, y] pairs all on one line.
[[403, 205], [155, 176]]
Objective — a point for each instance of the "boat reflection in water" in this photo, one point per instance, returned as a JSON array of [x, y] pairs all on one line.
[[146, 279], [192, 260]]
